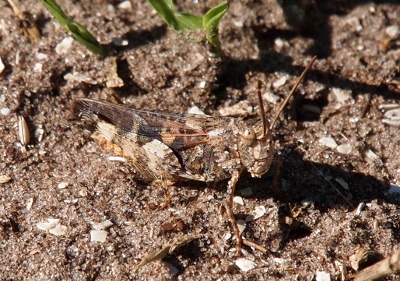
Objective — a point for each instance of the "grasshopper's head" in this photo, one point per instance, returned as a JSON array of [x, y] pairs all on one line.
[[256, 150], [255, 147]]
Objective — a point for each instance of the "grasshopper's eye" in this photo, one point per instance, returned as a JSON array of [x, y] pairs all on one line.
[[248, 136]]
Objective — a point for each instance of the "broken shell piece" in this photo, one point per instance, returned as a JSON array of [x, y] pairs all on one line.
[[63, 185], [259, 211], [238, 200], [63, 47], [280, 82], [344, 148], [322, 276], [29, 203], [329, 142], [4, 179], [102, 225], [47, 225], [245, 264], [98, 236], [58, 230]]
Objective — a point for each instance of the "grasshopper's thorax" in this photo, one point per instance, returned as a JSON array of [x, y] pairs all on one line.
[[256, 150]]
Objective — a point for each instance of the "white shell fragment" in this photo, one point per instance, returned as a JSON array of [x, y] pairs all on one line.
[[98, 236], [58, 230], [63, 47], [47, 225], [345, 148], [259, 211], [63, 185], [102, 225], [280, 82], [329, 142], [195, 110], [238, 200], [29, 203], [4, 179], [322, 276], [360, 208], [23, 131], [245, 264], [341, 95], [392, 31], [53, 226], [125, 5]]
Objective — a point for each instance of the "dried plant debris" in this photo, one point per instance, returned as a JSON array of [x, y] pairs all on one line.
[[166, 250], [381, 269]]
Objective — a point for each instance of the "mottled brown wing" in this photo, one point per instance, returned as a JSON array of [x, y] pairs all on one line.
[[177, 132]]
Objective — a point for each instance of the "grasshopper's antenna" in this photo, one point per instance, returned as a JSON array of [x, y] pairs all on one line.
[[303, 74]]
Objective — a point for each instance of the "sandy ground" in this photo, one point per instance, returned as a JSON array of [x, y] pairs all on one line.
[[337, 144]]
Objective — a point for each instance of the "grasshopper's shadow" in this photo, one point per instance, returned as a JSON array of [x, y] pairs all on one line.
[[306, 181]]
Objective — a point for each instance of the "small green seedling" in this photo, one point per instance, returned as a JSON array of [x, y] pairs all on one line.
[[80, 33], [182, 22]]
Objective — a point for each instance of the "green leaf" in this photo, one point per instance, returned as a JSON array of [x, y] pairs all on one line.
[[83, 36], [80, 33], [211, 22], [177, 20]]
